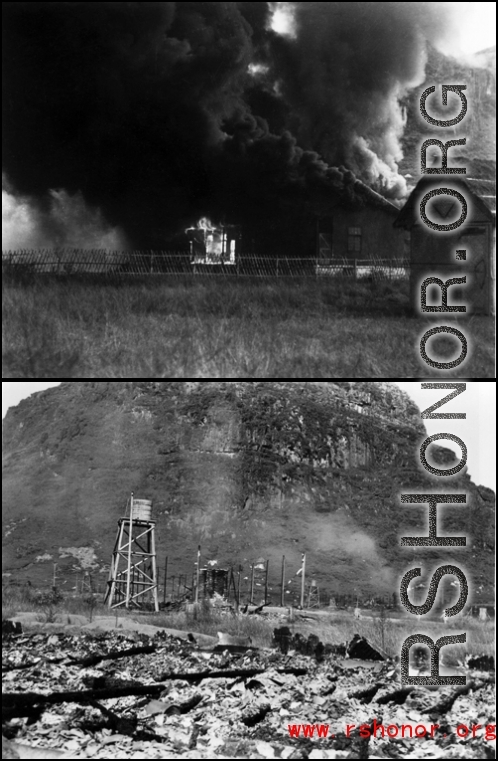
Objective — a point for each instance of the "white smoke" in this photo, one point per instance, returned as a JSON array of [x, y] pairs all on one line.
[[67, 222], [375, 171]]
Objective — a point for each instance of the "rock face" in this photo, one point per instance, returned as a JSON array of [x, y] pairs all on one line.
[[249, 470], [479, 125]]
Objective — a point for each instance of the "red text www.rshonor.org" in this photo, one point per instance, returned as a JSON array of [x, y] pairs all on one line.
[[405, 731]]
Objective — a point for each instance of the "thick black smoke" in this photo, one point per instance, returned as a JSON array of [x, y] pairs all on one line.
[[158, 113]]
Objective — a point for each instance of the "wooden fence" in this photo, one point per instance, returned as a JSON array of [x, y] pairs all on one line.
[[67, 261]]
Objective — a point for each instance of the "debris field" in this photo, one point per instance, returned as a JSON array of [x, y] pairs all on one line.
[[129, 695]]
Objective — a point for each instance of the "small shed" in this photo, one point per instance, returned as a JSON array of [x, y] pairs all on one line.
[[213, 244], [433, 252], [483, 610]]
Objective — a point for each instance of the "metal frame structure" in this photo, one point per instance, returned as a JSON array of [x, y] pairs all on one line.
[[313, 595], [133, 573]]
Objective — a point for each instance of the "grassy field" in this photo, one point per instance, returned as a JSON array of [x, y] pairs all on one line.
[[335, 628], [215, 328]]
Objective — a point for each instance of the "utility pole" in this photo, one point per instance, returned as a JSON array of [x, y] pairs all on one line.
[[165, 578], [266, 582], [238, 588], [282, 598], [251, 599], [198, 573], [303, 579]]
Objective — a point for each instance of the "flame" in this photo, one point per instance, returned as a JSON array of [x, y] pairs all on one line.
[[257, 68], [283, 20], [211, 244], [205, 224]]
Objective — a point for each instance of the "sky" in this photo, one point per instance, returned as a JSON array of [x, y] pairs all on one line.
[[476, 28], [478, 431]]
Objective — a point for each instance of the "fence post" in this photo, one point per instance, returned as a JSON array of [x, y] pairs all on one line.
[[355, 265], [277, 266], [151, 262]]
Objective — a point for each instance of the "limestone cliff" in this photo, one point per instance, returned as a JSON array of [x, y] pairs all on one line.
[[249, 470]]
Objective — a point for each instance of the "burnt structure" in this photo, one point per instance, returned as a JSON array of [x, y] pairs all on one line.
[[213, 244], [213, 581]]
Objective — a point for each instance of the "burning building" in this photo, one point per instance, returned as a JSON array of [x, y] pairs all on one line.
[[214, 244], [361, 229], [176, 110]]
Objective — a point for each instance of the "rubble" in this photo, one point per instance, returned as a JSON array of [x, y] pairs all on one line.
[[285, 641], [165, 697], [11, 627], [360, 648], [481, 662]]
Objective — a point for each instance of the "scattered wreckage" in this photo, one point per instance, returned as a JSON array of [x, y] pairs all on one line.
[[129, 695]]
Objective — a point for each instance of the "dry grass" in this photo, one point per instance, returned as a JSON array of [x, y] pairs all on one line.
[[158, 328], [390, 634], [25, 599], [387, 635], [210, 621]]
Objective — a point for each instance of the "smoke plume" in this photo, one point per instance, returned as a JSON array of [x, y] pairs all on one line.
[[62, 221], [155, 114]]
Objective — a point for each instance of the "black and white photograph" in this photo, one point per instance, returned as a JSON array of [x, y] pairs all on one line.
[[265, 190], [248, 570]]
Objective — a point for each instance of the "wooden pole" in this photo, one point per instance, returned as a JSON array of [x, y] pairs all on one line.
[[282, 597], [128, 573], [165, 578], [303, 575], [266, 582], [198, 573], [238, 587], [251, 599], [155, 579]]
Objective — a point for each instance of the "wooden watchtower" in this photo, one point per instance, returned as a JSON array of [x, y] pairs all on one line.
[[133, 575]]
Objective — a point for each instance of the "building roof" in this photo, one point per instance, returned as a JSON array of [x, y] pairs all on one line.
[[372, 198], [483, 192]]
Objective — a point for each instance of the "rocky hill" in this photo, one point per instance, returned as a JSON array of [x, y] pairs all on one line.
[[248, 470]]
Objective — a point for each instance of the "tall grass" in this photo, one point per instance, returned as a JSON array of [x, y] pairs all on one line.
[[46, 603], [204, 620], [222, 328], [341, 628], [386, 634]]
